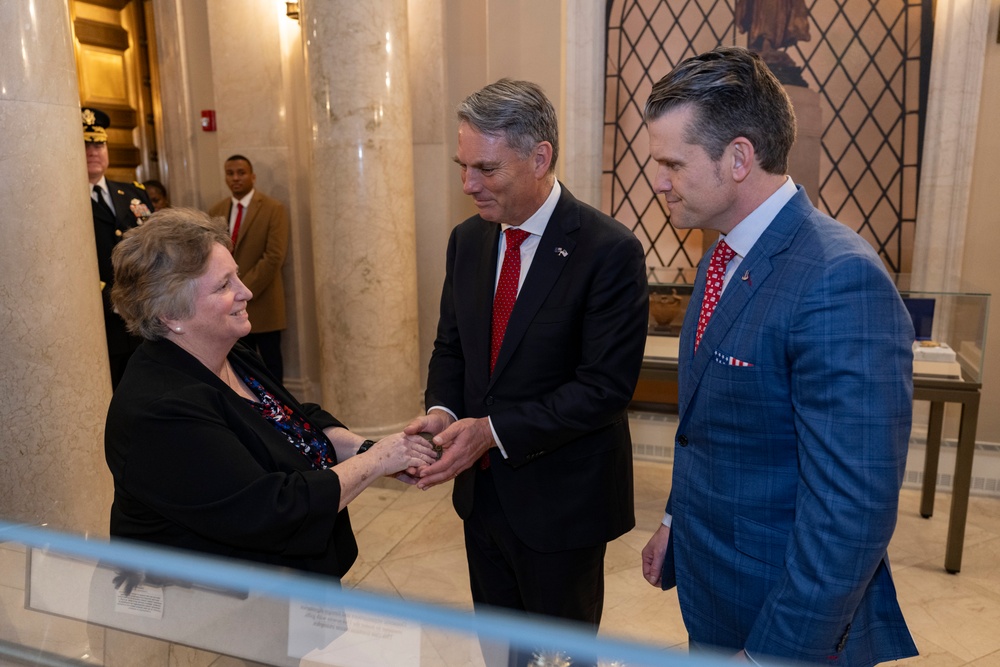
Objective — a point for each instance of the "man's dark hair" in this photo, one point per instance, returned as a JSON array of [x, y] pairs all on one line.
[[734, 94], [231, 158]]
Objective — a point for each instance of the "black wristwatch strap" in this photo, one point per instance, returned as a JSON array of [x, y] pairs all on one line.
[[365, 446]]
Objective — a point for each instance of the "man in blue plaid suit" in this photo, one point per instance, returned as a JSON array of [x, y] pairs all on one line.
[[794, 407]]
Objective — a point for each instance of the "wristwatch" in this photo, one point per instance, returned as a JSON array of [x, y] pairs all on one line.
[[365, 446]]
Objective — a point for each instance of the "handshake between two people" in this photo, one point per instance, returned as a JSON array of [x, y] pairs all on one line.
[[456, 446]]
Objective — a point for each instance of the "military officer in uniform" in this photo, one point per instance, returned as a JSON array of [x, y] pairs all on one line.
[[117, 207]]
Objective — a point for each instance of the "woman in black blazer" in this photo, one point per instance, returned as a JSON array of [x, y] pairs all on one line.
[[207, 450]]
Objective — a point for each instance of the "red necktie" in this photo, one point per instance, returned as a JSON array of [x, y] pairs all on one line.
[[713, 286], [236, 225], [503, 301]]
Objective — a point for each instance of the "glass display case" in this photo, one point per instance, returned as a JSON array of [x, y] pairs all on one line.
[[950, 326], [669, 295], [950, 331]]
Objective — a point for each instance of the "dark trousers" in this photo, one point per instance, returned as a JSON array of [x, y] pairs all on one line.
[[268, 346], [504, 572]]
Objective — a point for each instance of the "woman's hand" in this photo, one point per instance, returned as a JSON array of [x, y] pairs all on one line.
[[391, 455], [397, 452]]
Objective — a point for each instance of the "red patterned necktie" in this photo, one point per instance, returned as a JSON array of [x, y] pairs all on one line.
[[236, 225], [713, 286], [503, 301]]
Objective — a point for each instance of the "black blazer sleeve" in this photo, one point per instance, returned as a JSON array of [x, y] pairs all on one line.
[[195, 467]]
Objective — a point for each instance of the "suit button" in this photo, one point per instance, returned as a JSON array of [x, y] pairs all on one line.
[[489, 400], [682, 440]]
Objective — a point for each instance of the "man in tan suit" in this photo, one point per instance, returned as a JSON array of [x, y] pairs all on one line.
[[258, 226]]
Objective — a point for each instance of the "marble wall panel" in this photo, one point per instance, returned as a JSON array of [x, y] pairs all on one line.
[[363, 219]]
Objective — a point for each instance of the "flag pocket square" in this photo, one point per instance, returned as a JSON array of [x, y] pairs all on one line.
[[727, 360]]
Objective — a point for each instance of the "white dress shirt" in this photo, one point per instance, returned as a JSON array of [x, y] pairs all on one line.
[[535, 225]]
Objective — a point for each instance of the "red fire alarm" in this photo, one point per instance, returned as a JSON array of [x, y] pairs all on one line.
[[208, 120]]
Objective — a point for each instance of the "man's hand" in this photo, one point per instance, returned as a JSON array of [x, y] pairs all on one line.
[[652, 555], [405, 477], [433, 422], [464, 442]]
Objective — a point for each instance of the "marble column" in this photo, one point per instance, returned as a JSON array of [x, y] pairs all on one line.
[[53, 357], [582, 118], [433, 125], [362, 198], [960, 39]]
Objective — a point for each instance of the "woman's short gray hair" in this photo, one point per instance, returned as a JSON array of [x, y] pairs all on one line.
[[519, 111], [156, 265]]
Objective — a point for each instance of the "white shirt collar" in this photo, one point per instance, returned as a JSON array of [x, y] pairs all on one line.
[[745, 234], [245, 201], [539, 220]]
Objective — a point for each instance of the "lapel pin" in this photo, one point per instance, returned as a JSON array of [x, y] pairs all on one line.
[[120, 192], [562, 252], [746, 277]]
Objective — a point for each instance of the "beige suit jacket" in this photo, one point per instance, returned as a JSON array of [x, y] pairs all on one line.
[[260, 253]]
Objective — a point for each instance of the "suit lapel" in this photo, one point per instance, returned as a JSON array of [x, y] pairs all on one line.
[[757, 267], [546, 267], [102, 214], [124, 218], [249, 216], [737, 295], [485, 278]]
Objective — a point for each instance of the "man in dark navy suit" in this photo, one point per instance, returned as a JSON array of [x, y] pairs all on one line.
[[117, 207], [531, 416]]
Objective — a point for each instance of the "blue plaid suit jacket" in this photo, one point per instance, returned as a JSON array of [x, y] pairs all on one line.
[[790, 450]]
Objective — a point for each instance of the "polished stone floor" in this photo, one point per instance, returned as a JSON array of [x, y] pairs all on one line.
[[411, 546]]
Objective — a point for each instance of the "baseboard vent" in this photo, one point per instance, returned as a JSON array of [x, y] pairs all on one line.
[[987, 486], [653, 434], [645, 452]]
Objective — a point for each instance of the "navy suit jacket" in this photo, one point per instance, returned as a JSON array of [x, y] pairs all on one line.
[[787, 472], [564, 377], [108, 230]]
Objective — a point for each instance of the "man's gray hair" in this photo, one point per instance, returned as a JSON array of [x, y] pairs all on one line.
[[518, 111]]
